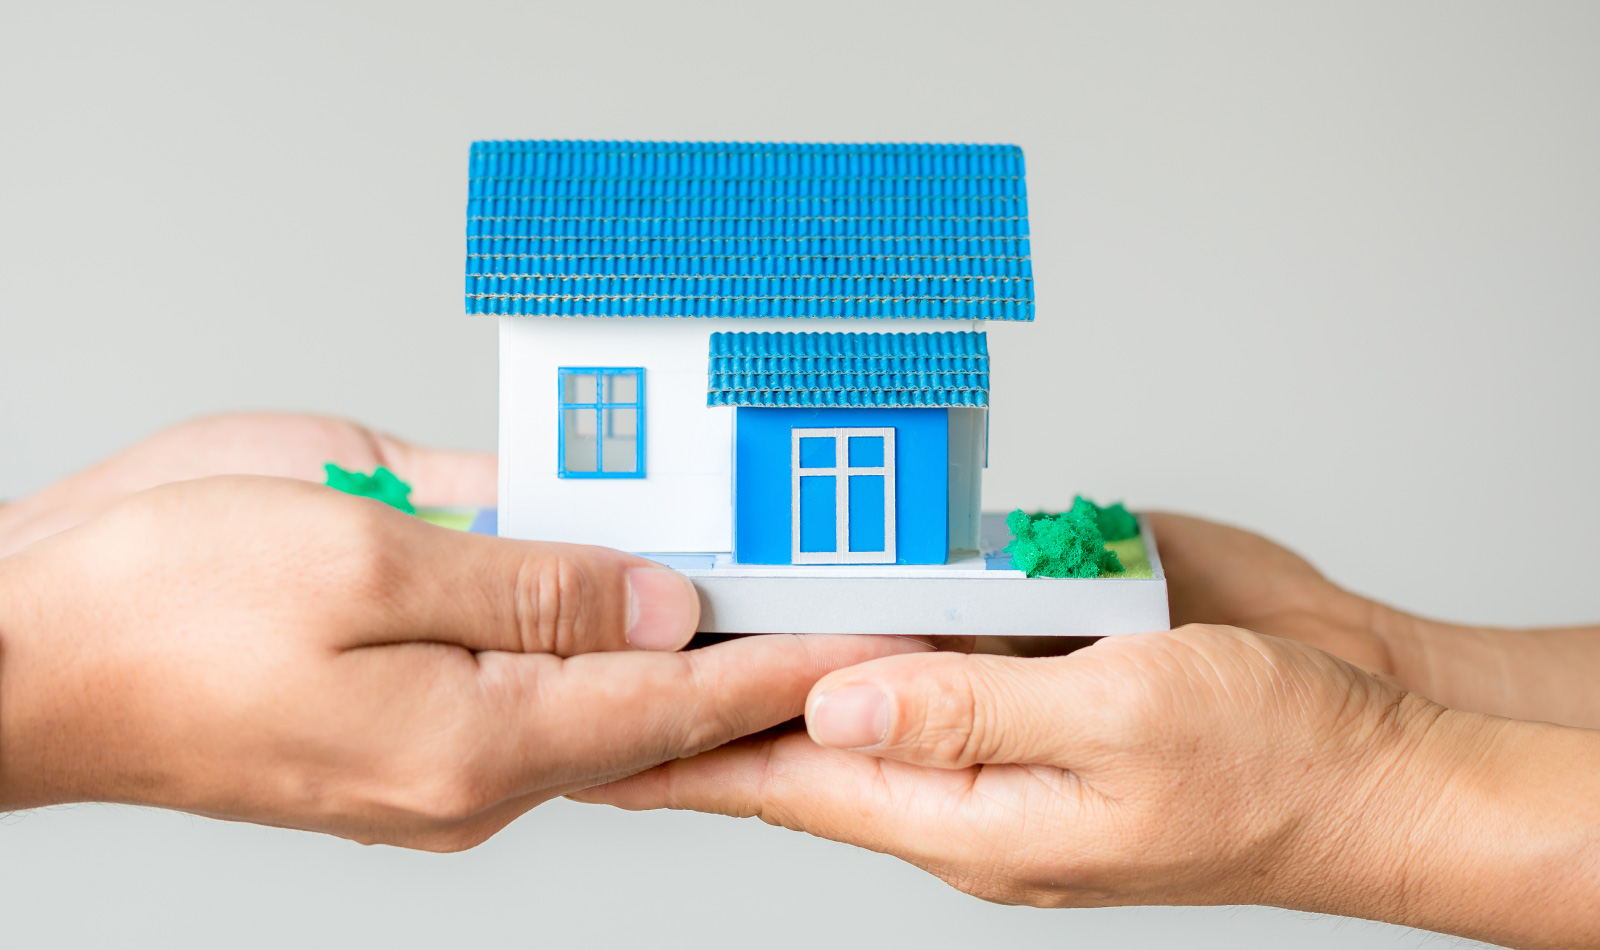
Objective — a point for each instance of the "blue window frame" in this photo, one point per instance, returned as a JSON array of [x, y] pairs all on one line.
[[602, 421]]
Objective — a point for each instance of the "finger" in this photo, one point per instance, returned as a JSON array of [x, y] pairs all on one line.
[[525, 728], [792, 782], [442, 476], [1221, 574], [732, 780], [603, 716], [487, 593], [950, 711]]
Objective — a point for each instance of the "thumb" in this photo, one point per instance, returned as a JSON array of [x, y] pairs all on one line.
[[486, 593], [947, 711]]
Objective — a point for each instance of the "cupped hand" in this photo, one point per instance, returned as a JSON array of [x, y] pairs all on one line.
[[268, 650], [1218, 574], [280, 444], [1202, 765]]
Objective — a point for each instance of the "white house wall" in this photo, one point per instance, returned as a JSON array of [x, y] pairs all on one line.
[[682, 503], [968, 432], [685, 501]]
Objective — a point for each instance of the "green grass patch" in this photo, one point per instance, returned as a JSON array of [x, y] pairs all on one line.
[[453, 518], [1135, 559]]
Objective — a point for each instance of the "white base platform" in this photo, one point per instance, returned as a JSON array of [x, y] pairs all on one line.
[[974, 596]]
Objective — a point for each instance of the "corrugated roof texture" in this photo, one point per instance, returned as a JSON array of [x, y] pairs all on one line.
[[849, 369], [721, 229]]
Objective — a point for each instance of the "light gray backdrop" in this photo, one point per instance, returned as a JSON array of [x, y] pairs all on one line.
[[1327, 273]]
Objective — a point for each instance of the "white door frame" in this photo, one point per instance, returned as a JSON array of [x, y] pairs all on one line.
[[841, 472]]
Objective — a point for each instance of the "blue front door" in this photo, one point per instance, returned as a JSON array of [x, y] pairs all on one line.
[[842, 496], [909, 479]]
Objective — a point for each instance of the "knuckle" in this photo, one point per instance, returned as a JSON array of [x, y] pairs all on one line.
[[702, 723], [440, 789], [711, 724], [449, 802], [717, 726], [953, 728], [365, 558], [552, 598], [449, 788]]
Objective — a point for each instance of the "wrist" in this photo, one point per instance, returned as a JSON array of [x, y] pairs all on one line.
[[1510, 854], [1354, 815], [1468, 824]]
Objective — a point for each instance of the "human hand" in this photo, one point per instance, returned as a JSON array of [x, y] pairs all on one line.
[[1207, 765], [1218, 574], [285, 445], [268, 650], [1222, 575]]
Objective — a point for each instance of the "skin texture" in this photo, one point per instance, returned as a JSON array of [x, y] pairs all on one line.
[[1223, 575], [283, 445], [1208, 765], [264, 649]]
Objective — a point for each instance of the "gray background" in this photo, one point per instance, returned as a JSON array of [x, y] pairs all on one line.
[[1330, 273]]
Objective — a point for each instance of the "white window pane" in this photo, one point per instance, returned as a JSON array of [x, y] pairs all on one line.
[[578, 387], [579, 432], [621, 423], [621, 387], [621, 445]]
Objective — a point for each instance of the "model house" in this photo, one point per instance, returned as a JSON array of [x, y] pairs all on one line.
[[763, 354]]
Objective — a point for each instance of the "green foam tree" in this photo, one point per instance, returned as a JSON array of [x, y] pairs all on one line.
[[1065, 545], [382, 485], [1116, 522]]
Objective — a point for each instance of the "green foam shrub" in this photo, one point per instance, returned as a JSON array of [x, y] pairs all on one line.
[[1065, 545], [1116, 522], [382, 485]]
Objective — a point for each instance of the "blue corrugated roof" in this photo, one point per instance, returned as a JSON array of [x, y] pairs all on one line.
[[849, 369], [720, 229]]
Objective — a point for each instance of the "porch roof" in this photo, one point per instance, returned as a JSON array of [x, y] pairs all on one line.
[[848, 369]]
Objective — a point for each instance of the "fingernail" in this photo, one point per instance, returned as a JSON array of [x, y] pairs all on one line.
[[663, 609], [851, 717]]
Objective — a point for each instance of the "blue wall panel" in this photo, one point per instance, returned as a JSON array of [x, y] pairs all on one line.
[[761, 478]]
